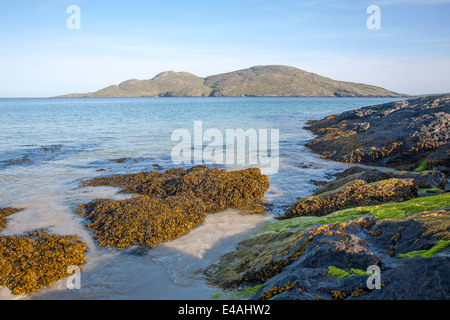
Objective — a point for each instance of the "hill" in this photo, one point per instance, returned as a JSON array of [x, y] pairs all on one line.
[[259, 81]]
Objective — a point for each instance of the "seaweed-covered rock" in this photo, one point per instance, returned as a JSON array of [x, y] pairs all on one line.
[[331, 261], [141, 220], [399, 134], [264, 256], [257, 259], [169, 204], [354, 194], [37, 260], [422, 180], [218, 189], [352, 174], [419, 231]]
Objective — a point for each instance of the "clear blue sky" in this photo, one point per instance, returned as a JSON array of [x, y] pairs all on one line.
[[120, 40]]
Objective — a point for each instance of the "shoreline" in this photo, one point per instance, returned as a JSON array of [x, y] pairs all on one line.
[[335, 249], [268, 289]]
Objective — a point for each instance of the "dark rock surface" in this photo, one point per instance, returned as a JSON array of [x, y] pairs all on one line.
[[399, 135]]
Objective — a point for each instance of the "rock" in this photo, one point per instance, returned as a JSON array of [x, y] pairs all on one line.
[[354, 194], [399, 134], [303, 263], [364, 126], [141, 220], [339, 249], [440, 159], [218, 189], [353, 174], [424, 179], [420, 279], [394, 237]]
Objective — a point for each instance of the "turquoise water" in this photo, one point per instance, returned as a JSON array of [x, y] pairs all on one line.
[[48, 145]]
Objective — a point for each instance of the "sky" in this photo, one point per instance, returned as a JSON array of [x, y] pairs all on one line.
[[40, 56]]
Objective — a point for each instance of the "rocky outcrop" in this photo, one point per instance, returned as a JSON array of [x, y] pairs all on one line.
[[218, 189], [327, 245], [331, 261], [399, 135], [324, 244], [422, 180]]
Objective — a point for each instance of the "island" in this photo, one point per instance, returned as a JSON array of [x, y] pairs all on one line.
[[258, 81]]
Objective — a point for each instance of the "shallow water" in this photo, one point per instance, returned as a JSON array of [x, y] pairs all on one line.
[[48, 145]]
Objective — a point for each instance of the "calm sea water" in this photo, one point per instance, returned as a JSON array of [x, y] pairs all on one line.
[[48, 145]]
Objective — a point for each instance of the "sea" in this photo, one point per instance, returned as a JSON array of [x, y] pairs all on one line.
[[47, 146]]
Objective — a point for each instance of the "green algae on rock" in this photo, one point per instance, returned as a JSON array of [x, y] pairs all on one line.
[[331, 258], [354, 194], [383, 211], [169, 204]]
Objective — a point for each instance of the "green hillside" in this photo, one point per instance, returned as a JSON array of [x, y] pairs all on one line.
[[260, 81]]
